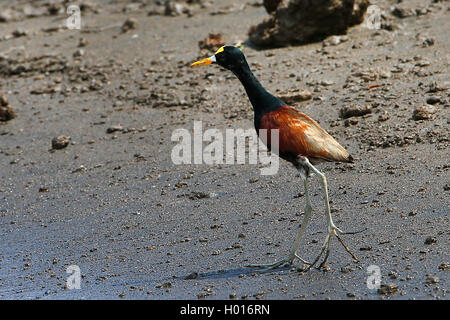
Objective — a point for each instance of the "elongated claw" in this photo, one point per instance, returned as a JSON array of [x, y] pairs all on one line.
[[347, 249]]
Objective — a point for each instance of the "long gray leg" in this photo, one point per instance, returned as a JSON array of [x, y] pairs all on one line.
[[293, 254], [308, 211], [332, 229], [324, 183]]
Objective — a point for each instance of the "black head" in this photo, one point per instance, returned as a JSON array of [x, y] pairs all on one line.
[[229, 57]]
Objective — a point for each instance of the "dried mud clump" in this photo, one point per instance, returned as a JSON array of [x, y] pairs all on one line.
[[354, 111], [60, 142], [6, 111], [173, 8], [425, 112], [295, 22], [295, 96], [129, 24], [38, 64], [388, 289], [211, 44]]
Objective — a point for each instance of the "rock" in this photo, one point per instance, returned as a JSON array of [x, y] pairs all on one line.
[[432, 279], [400, 12], [444, 266], [334, 40], [434, 87], [83, 42], [350, 122], [292, 97], [388, 289], [78, 53], [55, 9], [60, 142], [296, 22], [202, 195], [132, 7], [6, 111], [425, 112], [155, 11], [173, 9], [3, 101], [326, 83], [427, 42], [19, 32], [47, 89], [430, 240], [7, 15], [424, 63], [346, 269], [385, 74], [79, 169], [129, 24], [393, 275], [354, 111], [384, 116], [114, 128], [433, 99], [30, 11]]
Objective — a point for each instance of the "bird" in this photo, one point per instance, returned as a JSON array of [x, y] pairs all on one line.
[[301, 141]]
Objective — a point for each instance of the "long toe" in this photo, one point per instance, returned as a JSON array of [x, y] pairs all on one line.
[[274, 265], [301, 259]]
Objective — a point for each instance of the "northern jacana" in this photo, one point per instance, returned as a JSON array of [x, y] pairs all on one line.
[[302, 142]]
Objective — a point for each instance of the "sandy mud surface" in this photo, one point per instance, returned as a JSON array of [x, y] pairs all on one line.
[[87, 179]]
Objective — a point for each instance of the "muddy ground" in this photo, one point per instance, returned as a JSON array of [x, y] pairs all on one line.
[[113, 203]]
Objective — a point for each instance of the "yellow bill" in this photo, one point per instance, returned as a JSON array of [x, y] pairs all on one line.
[[204, 62]]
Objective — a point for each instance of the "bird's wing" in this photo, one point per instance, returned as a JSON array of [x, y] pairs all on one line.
[[301, 135]]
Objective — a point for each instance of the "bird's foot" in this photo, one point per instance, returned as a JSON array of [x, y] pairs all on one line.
[[332, 231]]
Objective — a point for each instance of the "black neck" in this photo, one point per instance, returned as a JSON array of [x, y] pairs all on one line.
[[261, 100]]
